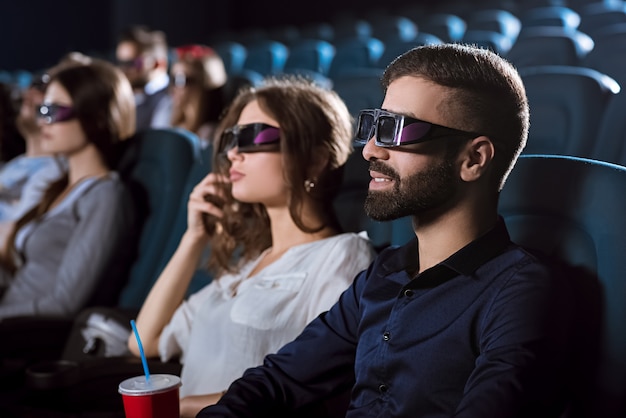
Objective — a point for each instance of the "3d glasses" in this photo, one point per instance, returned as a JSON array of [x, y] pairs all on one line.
[[254, 137], [394, 130]]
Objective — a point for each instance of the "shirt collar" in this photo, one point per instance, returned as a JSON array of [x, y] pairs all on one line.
[[158, 83], [465, 261], [469, 258]]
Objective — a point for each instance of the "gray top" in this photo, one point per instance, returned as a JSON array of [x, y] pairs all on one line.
[[23, 181], [67, 252]]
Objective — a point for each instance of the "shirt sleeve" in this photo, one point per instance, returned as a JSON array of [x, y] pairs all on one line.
[[105, 214], [522, 341], [175, 336], [34, 188], [317, 364]]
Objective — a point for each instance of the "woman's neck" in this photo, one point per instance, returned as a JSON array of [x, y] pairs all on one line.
[[87, 162], [286, 234]]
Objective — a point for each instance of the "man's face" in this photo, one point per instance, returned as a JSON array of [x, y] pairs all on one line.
[[412, 180], [133, 64]]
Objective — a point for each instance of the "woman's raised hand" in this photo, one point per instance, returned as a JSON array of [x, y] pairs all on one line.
[[205, 204]]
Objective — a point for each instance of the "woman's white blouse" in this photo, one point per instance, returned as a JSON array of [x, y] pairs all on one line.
[[232, 323]]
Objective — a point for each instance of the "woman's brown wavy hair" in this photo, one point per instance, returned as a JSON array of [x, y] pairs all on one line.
[[315, 140], [104, 104]]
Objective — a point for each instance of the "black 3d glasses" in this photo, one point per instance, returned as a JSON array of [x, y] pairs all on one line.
[[394, 130], [254, 137], [51, 113]]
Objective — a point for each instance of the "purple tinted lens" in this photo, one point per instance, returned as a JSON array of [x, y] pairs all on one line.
[[268, 135], [253, 137], [52, 113], [413, 132], [63, 114]]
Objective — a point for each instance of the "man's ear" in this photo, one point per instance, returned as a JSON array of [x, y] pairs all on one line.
[[476, 158]]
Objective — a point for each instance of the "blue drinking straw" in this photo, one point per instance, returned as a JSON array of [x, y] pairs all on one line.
[[143, 356]]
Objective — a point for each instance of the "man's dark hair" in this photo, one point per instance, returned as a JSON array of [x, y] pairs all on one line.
[[486, 95]]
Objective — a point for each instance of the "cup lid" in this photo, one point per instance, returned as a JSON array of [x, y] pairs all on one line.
[[138, 385]]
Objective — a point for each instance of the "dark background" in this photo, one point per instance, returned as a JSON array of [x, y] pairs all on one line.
[[36, 33]]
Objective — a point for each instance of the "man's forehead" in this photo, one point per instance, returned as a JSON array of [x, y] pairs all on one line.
[[415, 97]]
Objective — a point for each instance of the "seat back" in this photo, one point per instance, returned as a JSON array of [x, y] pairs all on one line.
[[348, 26], [555, 16], [233, 54], [568, 207], [609, 53], [447, 27], [610, 144], [155, 164], [488, 39], [495, 20], [599, 16], [355, 53], [360, 89], [200, 167], [396, 47], [394, 27], [266, 56], [310, 54], [567, 104], [318, 30], [546, 45]]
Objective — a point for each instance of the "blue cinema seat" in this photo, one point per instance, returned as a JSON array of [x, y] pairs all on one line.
[[310, 55], [609, 53], [266, 56], [566, 106], [360, 88], [397, 47], [550, 45], [355, 53], [494, 20], [393, 27], [572, 209], [553, 16], [233, 54], [446, 26]]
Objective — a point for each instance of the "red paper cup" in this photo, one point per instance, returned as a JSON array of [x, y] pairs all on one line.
[[157, 398]]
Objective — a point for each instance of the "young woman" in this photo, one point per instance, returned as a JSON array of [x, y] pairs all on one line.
[[197, 81], [277, 249], [58, 252]]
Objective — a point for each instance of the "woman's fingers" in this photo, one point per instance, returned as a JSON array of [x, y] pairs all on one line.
[[202, 206]]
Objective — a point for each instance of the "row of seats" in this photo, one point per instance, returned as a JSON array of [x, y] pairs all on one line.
[[563, 206], [498, 29]]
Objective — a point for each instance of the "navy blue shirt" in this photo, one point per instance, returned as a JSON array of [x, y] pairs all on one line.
[[482, 334]]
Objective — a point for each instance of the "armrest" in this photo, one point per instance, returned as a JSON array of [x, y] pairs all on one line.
[[27, 340]]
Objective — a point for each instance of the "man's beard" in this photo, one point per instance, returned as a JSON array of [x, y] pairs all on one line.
[[416, 194]]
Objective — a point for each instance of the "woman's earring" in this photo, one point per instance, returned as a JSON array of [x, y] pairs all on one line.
[[308, 185]]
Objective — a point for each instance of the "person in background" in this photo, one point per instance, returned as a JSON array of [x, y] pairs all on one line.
[[59, 252], [460, 321], [197, 79], [142, 55], [277, 249], [24, 178]]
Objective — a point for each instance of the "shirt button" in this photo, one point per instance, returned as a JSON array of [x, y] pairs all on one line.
[[386, 335], [383, 388], [408, 293]]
